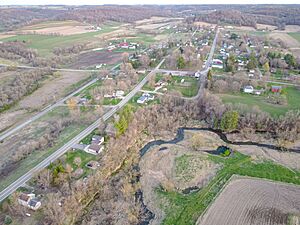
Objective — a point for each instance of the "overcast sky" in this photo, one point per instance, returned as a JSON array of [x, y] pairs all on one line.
[[129, 2]]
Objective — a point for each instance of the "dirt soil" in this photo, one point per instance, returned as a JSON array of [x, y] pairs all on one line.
[[52, 90], [253, 202], [59, 27], [287, 39], [95, 58], [199, 23]]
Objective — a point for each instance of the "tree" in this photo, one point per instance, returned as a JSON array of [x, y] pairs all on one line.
[[266, 67], [180, 62], [229, 120], [125, 57], [252, 64], [145, 61], [290, 60], [231, 64], [209, 75]]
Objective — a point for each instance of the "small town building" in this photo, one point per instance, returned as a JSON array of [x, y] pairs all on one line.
[[29, 200], [120, 94], [248, 89], [142, 100], [94, 149], [97, 139], [276, 89]]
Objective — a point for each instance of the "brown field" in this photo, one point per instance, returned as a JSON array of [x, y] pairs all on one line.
[[156, 19], [51, 90], [287, 39], [122, 32], [151, 26], [246, 201], [265, 27], [199, 23], [95, 58], [292, 28], [59, 27], [4, 35]]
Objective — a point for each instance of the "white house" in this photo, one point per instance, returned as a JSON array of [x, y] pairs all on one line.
[[248, 89], [96, 145], [145, 98], [29, 200], [142, 100], [120, 94], [94, 149], [197, 74]]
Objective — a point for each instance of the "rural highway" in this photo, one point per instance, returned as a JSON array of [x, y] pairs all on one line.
[[28, 175], [51, 68], [203, 73]]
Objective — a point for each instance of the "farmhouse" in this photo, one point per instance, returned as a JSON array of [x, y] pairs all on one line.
[[142, 100], [94, 149], [119, 94], [98, 140], [217, 63], [29, 200], [248, 89], [276, 89], [145, 98]]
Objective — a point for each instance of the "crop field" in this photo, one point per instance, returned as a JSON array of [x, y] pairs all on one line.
[[254, 202], [293, 96], [46, 43], [95, 58], [288, 39], [185, 209], [67, 27], [295, 36]]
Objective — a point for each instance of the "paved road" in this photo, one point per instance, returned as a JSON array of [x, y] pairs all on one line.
[[9, 132], [27, 176], [177, 72], [51, 68], [203, 73]]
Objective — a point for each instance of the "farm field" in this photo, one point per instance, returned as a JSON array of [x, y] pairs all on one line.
[[288, 39], [293, 96], [68, 27], [95, 58], [295, 36], [254, 202], [44, 44], [171, 206]]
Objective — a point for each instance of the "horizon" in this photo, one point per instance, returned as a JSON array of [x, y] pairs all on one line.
[[136, 2]]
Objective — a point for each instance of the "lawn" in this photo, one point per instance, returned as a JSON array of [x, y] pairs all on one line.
[[85, 158], [185, 209], [293, 96], [111, 101], [186, 91], [295, 35], [46, 43]]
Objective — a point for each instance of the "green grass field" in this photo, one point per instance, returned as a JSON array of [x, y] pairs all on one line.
[[186, 91], [45, 44], [293, 96], [185, 209], [295, 35], [85, 158]]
